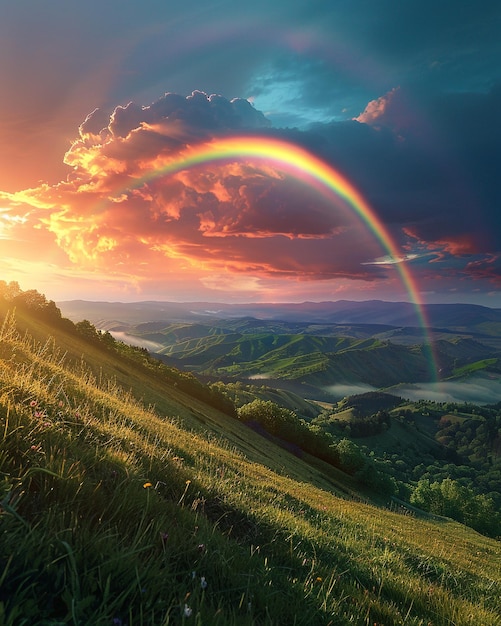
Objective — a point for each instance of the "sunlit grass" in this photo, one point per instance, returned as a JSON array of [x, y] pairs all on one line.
[[115, 513]]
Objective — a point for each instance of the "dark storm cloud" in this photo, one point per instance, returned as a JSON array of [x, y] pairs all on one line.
[[426, 26], [134, 134], [429, 166], [345, 55], [195, 113]]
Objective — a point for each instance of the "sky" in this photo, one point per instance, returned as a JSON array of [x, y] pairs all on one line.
[[400, 101]]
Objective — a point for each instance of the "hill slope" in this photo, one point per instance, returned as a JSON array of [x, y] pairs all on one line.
[[115, 512]]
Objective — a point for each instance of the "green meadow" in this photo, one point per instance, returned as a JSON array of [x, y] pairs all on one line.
[[128, 497]]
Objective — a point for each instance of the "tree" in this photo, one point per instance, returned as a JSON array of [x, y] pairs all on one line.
[[452, 499], [37, 303], [351, 457], [108, 339], [87, 330], [275, 419], [9, 291], [30, 300], [426, 496]]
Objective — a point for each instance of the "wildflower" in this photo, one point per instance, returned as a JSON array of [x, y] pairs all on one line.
[[193, 575], [188, 482], [33, 404], [203, 582], [318, 579], [164, 536], [38, 414], [187, 611], [201, 547], [147, 485]]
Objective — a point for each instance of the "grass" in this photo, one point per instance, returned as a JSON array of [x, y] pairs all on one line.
[[115, 512], [475, 367]]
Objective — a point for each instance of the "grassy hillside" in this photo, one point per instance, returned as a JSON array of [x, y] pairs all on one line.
[[126, 500]]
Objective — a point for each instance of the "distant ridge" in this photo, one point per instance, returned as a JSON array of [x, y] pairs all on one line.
[[451, 316]]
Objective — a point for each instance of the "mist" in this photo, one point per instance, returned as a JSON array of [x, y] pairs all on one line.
[[137, 342], [342, 391], [476, 391]]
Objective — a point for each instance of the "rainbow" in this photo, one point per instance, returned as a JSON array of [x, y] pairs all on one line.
[[303, 165]]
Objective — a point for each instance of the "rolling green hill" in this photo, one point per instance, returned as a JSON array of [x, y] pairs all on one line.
[[309, 359], [315, 360], [127, 499]]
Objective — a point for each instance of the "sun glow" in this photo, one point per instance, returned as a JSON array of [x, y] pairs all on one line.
[[9, 221]]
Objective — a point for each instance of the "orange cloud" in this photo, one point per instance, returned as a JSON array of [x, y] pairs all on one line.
[[456, 244], [375, 109]]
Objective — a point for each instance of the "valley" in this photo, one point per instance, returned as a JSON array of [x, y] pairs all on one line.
[[319, 350]]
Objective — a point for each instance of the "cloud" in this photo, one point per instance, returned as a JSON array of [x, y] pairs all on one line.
[[376, 111], [241, 217], [426, 166], [488, 267]]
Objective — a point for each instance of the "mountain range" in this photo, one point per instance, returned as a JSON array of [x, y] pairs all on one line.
[[463, 317]]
